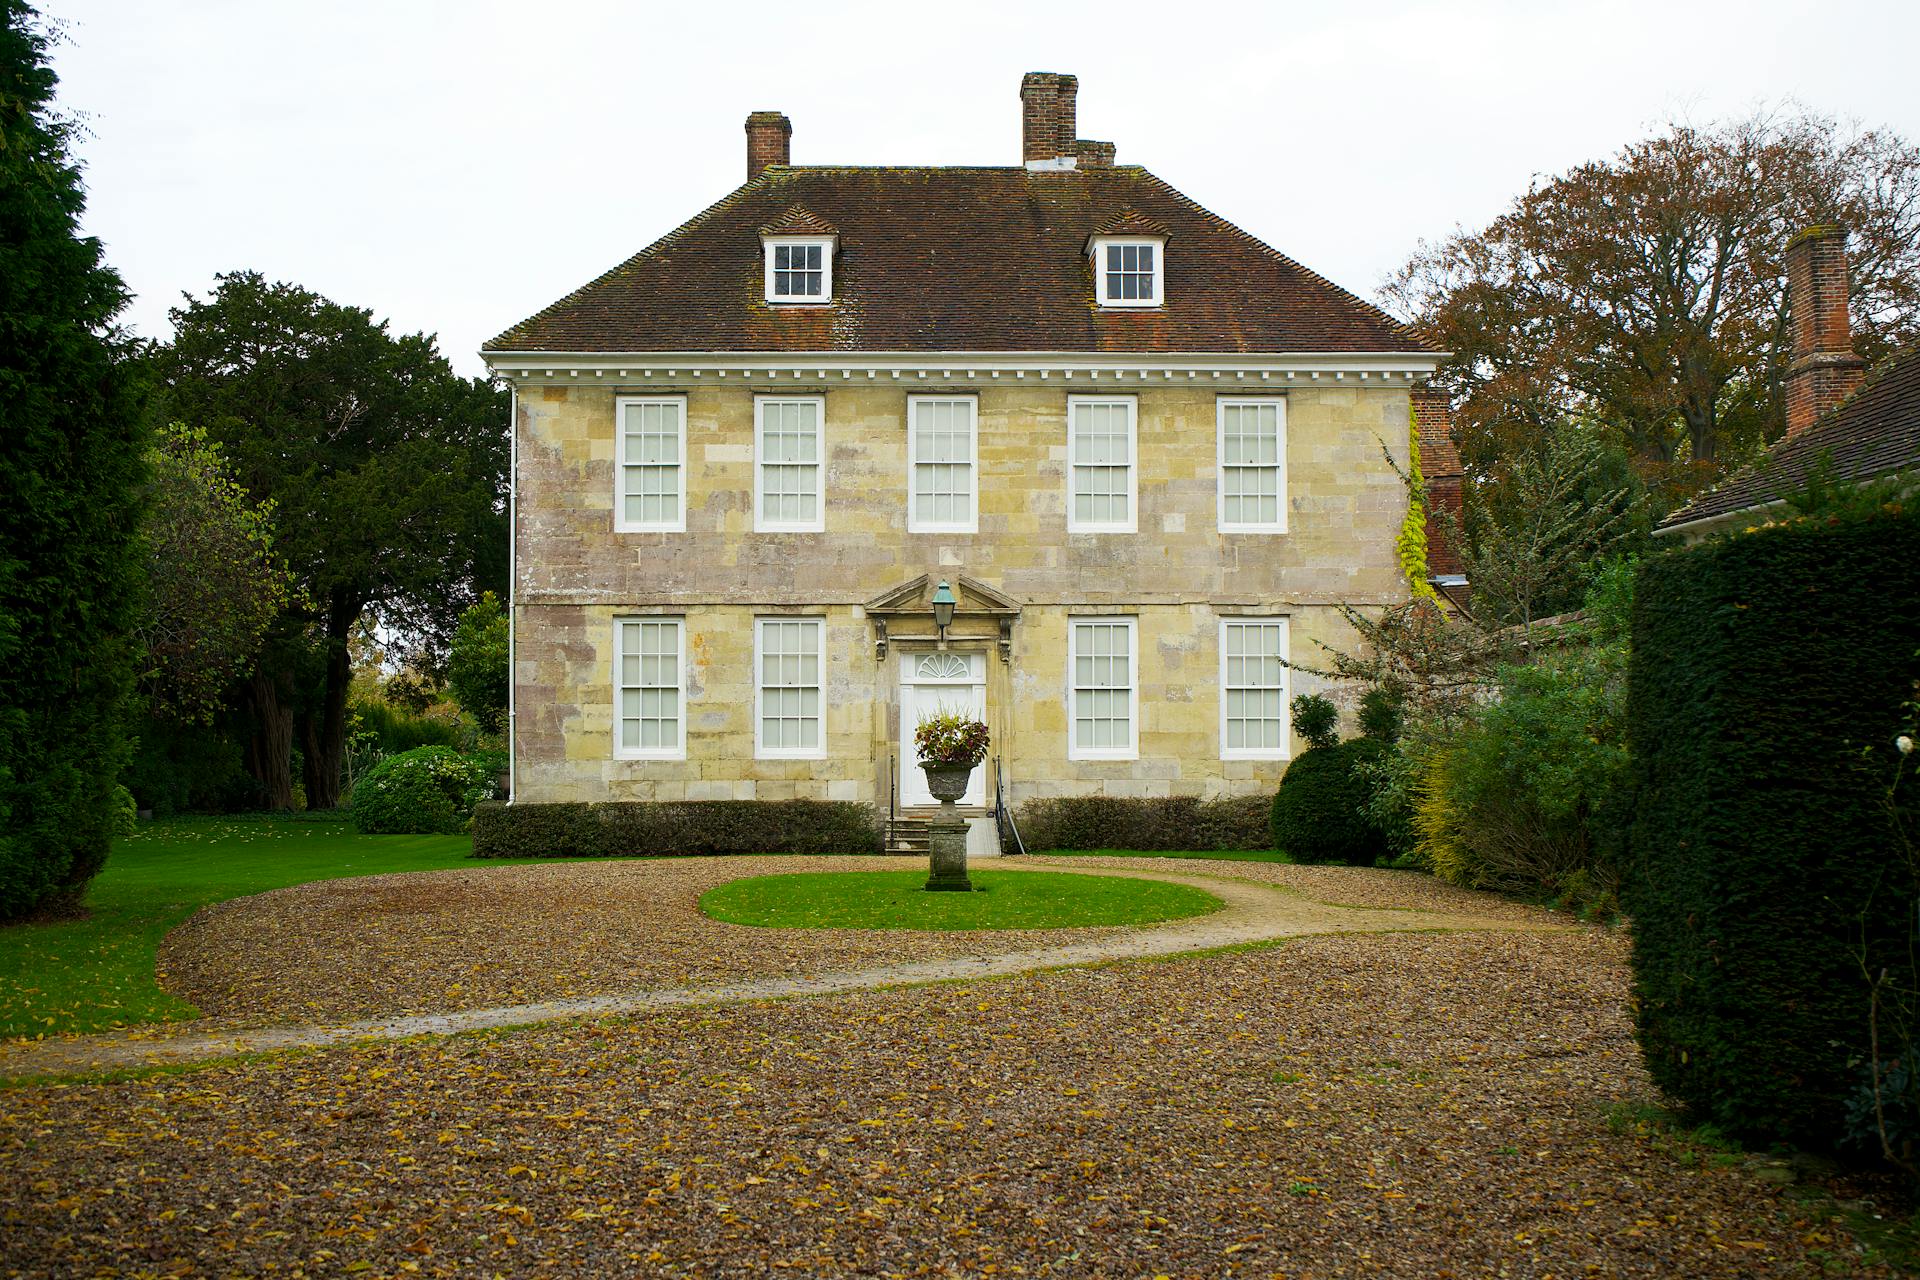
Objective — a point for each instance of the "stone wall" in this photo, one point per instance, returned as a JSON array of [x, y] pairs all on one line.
[[1177, 576]]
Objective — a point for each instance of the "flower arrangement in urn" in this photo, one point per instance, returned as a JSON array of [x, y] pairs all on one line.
[[950, 744]]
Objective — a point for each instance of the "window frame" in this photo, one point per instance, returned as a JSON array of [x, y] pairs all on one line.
[[827, 245], [1099, 261], [760, 750], [915, 524], [620, 522], [1221, 405], [1132, 522], [1285, 750], [679, 750], [1132, 750], [761, 524]]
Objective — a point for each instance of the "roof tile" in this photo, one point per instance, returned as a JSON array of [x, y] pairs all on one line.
[[954, 259]]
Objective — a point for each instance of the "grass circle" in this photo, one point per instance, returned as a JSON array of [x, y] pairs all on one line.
[[1000, 900]]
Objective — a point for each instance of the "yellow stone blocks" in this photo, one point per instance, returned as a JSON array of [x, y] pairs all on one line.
[[1178, 576]]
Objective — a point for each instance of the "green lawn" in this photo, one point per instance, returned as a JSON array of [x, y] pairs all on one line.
[[95, 973], [1001, 900], [1213, 855]]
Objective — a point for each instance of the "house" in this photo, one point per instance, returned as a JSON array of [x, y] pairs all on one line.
[[1142, 449], [1840, 423]]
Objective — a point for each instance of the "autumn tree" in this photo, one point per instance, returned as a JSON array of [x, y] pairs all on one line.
[[388, 475], [214, 582], [1647, 292], [71, 440]]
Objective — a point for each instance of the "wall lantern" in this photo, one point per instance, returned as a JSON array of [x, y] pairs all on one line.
[[943, 603]]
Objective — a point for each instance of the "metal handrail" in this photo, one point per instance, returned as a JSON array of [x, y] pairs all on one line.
[[1003, 816]]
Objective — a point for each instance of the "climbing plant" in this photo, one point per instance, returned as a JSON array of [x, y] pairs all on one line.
[[1412, 542]]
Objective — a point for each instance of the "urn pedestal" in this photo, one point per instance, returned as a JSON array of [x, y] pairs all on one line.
[[947, 833]]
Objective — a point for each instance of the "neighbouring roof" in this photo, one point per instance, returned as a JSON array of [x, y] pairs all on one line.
[[952, 259], [1873, 432]]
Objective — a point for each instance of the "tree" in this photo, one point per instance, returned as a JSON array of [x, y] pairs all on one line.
[[1538, 528], [477, 669], [214, 582], [1648, 291], [388, 473], [71, 479]]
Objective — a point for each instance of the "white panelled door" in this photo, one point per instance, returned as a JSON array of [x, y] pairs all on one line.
[[931, 683]]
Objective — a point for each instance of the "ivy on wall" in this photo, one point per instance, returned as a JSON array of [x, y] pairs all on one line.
[[1412, 542]]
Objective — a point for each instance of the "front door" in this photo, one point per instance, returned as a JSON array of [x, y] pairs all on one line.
[[931, 683]]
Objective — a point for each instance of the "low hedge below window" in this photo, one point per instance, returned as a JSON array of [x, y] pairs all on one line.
[[1159, 823], [690, 828]]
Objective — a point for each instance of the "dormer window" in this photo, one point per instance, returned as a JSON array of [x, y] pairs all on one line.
[[1129, 259], [800, 269], [799, 247]]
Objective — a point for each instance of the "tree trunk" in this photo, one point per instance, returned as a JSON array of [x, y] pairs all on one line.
[[269, 753], [324, 744]]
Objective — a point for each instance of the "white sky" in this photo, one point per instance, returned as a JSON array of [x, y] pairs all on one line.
[[456, 166]]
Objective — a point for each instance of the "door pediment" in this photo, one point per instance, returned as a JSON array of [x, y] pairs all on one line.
[[911, 603]]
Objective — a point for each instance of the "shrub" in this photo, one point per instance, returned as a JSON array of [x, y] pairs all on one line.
[[1516, 799], [421, 791], [1143, 822], [398, 729], [1765, 694], [648, 828], [1382, 711], [1320, 812], [190, 769], [1316, 720]]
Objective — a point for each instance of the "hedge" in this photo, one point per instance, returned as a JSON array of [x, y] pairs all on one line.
[[647, 828], [1159, 823], [1764, 695]]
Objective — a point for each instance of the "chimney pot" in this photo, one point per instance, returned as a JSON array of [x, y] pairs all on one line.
[[769, 137], [1825, 370]]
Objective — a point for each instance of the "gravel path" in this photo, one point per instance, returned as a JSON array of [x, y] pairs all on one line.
[[627, 932], [1415, 1105]]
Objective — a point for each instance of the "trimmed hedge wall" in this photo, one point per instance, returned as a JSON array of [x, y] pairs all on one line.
[[634, 828], [1167, 822], [1764, 695]]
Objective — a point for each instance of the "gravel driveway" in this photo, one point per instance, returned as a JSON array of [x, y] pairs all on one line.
[[1414, 1105]]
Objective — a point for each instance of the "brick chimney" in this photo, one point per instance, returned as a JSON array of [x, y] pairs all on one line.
[[1825, 370], [768, 136], [1047, 119], [1440, 463]]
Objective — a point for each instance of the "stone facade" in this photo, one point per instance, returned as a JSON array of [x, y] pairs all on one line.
[[1177, 576]]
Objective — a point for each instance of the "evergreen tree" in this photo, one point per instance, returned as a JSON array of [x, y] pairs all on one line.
[[71, 476]]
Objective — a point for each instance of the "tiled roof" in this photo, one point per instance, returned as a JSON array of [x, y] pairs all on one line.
[[1875, 431], [1130, 222], [957, 259], [798, 221]]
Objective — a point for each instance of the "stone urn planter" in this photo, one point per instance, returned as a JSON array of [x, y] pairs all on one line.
[[947, 833], [952, 745]]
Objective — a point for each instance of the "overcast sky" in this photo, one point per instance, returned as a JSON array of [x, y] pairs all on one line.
[[456, 166]]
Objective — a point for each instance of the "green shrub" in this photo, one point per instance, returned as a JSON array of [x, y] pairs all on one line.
[[1765, 693], [398, 729], [1517, 798], [1319, 814], [650, 829], [126, 814], [1144, 823], [191, 769], [1316, 720], [1383, 710], [421, 791]]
